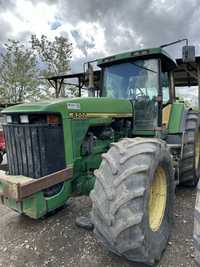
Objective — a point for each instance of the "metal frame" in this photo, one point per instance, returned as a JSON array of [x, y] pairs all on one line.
[[160, 94], [59, 80], [188, 74], [19, 189]]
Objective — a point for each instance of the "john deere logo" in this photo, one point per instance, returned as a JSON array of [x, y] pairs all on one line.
[[73, 106]]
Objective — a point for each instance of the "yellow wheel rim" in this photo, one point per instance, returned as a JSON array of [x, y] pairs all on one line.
[[157, 199], [197, 151]]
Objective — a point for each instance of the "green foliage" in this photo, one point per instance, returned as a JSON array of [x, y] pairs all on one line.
[[18, 73], [55, 55], [21, 67]]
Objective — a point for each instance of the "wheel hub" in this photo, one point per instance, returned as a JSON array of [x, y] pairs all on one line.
[[157, 199]]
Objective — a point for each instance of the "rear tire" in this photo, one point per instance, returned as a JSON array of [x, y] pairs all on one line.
[[196, 234], [121, 213], [190, 164]]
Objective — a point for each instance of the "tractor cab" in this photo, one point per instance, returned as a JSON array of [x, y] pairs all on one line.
[[143, 77]]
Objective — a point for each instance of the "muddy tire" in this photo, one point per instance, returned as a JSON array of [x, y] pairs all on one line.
[[196, 234], [122, 214], [190, 164]]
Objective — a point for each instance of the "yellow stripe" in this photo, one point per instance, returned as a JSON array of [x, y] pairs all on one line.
[[116, 115], [101, 115]]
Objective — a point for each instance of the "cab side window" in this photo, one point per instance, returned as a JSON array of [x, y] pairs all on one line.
[[165, 87]]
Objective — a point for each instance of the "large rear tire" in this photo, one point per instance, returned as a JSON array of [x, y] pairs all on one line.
[[190, 163], [196, 234], [133, 199]]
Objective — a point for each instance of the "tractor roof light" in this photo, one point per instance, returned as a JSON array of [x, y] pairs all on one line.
[[24, 119], [140, 53], [8, 118]]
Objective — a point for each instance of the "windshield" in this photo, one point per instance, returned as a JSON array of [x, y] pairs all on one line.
[[131, 80], [138, 81]]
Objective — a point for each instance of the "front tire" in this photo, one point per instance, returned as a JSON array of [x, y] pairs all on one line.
[[133, 199]]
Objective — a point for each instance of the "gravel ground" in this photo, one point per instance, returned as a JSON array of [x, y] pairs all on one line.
[[56, 241]]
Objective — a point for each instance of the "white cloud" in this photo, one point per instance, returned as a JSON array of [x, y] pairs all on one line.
[[38, 18], [124, 33], [87, 39], [31, 17], [97, 29]]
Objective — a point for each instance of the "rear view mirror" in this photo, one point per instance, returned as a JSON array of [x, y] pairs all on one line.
[[188, 53]]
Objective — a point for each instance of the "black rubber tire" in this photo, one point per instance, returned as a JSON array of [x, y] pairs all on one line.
[[196, 234], [189, 174], [120, 199]]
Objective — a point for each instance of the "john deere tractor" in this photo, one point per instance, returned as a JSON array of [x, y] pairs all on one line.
[[128, 146]]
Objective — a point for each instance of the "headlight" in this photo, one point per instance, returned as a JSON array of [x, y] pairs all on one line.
[[9, 119], [24, 119]]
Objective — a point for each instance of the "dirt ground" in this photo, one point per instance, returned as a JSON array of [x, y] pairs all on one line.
[[56, 241]]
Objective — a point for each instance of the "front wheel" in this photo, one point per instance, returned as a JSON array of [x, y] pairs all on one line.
[[133, 199]]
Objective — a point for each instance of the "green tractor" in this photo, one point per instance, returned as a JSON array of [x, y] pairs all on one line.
[[128, 145]]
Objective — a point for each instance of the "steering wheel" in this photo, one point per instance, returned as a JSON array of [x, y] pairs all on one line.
[[140, 93], [134, 95]]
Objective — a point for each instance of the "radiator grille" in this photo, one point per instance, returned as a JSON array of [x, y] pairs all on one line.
[[34, 150]]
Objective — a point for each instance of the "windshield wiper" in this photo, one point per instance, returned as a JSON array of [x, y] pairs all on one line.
[[141, 67]]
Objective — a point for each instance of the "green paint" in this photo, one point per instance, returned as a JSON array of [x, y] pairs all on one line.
[[60, 199], [143, 133], [11, 203], [176, 118], [83, 175], [79, 130], [35, 206], [85, 184], [88, 105]]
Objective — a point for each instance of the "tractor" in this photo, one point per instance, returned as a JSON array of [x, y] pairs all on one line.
[[127, 145]]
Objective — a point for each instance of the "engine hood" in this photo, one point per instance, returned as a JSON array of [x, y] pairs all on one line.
[[65, 106]]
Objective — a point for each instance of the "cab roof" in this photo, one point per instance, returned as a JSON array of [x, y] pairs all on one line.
[[157, 52]]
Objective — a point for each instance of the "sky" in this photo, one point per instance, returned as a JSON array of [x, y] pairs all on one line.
[[99, 28]]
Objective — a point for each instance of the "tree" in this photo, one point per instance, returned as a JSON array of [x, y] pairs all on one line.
[[18, 73], [55, 55]]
